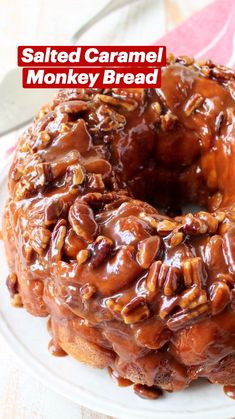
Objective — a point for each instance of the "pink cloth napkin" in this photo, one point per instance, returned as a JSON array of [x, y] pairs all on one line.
[[210, 33]]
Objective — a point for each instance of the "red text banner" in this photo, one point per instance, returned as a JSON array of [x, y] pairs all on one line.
[[94, 77], [102, 56]]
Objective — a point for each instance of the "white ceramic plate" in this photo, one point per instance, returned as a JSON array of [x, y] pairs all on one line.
[[92, 388]]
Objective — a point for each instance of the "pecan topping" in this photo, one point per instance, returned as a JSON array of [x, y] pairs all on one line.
[[72, 106], [42, 141], [53, 210], [109, 119], [168, 121], [184, 317], [220, 216], [220, 296], [176, 238], [82, 220], [27, 251], [149, 219], [100, 249], [82, 256], [185, 60], [193, 225], [87, 291], [192, 297], [135, 311], [222, 73], [167, 305], [170, 58], [211, 221], [113, 305], [129, 105], [78, 175], [131, 93], [194, 102], [194, 272], [40, 239], [156, 110], [148, 250], [152, 278], [169, 279], [57, 241], [166, 226], [163, 276]]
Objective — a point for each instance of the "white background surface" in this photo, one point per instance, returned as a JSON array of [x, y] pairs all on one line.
[[24, 22]]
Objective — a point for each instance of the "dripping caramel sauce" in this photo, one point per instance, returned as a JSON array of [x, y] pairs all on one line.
[[229, 390], [55, 349], [118, 379]]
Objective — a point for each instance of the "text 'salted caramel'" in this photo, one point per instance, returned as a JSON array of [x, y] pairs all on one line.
[[95, 235], [96, 67]]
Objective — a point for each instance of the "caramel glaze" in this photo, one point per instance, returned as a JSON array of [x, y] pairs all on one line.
[[55, 349], [120, 381], [82, 231]]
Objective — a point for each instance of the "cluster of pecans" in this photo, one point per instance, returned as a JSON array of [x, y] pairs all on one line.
[[177, 229], [206, 67]]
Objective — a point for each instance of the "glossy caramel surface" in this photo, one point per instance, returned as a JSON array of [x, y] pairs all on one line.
[[88, 241]]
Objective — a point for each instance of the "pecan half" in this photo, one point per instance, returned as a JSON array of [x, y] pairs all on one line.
[[100, 250], [149, 220], [78, 175], [194, 272], [129, 105], [193, 103], [163, 276], [222, 73], [176, 238], [167, 305], [166, 226], [39, 239], [211, 221], [148, 250], [82, 220], [192, 225], [220, 296], [169, 279], [57, 241], [168, 121], [183, 318], [135, 311], [152, 278], [192, 298]]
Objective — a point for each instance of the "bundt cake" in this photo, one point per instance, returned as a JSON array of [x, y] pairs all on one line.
[[98, 239]]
